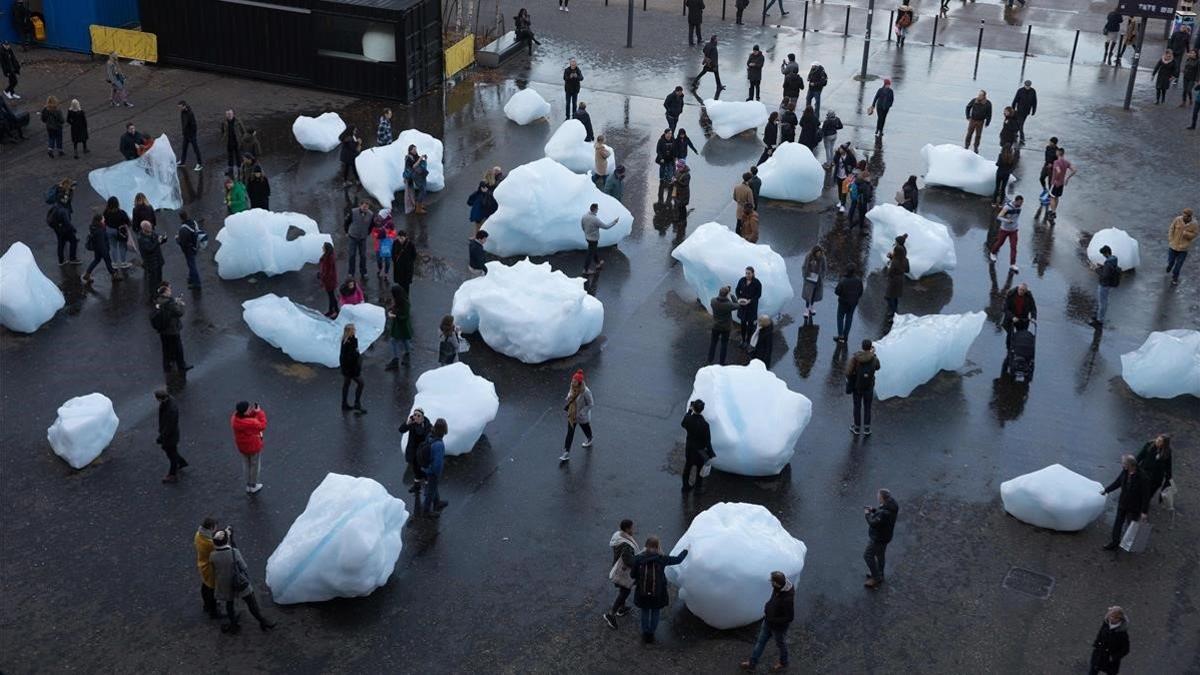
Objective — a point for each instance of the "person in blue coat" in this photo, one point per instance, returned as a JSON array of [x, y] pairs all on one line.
[[432, 463]]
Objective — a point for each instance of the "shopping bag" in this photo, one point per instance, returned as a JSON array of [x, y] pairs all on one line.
[[1167, 496], [706, 469], [1137, 535]]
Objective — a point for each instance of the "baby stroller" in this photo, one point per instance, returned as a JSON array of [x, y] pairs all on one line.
[[1021, 350]]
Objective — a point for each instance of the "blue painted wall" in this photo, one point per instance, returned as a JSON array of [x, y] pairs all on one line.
[[67, 21]]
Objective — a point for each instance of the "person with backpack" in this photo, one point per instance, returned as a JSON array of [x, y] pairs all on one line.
[[881, 524], [849, 290], [1108, 277], [418, 428], [58, 218], [624, 549], [860, 384], [778, 614], [432, 458], [384, 235], [231, 580], [817, 79], [167, 320], [97, 243], [248, 424], [190, 238], [904, 19], [578, 407], [168, 434], [649, 574], [697, 450]]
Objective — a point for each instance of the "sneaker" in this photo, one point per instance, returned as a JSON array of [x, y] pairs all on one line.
[[992, 257], [623, 610], [566, 9], [359, 410], [587, 443], [7, 95], [866, 430], [254, 490], [871, 583], [853, 429], [610, 620], [128, 104], [15, 95], [198, 167], [566, 456], [1014, 268], [178, 163]]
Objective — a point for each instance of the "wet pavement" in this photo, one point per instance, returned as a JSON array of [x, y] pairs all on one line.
[[513, 576]]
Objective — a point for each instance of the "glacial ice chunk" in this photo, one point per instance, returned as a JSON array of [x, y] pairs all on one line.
[[1165, 366], [257, 241], [930, 248], [465, 400], [568, 148], [1123, 246], [528, 311], [732, 550], [730, 118], [919, 346], [792, 174], [540, 208], [713, 256], [951, 166], [84, 428], [381, 169], [305, 334], [1055, 498], [754, 418], [344, 545], [320, 133], [527, 106], [154, 174], [28, 298]]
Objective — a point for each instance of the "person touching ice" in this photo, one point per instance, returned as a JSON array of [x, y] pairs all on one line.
[[650, 578], [747, 293]]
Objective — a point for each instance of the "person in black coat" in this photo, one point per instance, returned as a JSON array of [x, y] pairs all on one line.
[[787, 125], [695, 17], [131, 142], [710, 64], [754, 66], [664, 157], [350, 363], [167, 319], [351, 146], [881, 522], [1111, 643], [1019, 309], [585, 119], [149, 246], [778, 614], [59, 220], [1165, 70], [77, 120], [98, 236], [810, 129], [418, 429], [187, 124], [572, 76], [1154, 459], [1134, 500], [258, 189], [848, 291], [404, 259], [10, 65], [746, 293], [673, 107], [697, 449], [762, 342], [476, 255], [168, 434], [650, 584], [793, 84], [1024, 103]]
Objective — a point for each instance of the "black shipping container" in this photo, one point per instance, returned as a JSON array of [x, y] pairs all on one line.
[[379, 48]]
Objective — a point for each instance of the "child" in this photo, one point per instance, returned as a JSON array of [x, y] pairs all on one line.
[[384, 234]]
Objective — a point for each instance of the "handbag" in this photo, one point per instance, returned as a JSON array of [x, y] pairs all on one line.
[[241, 579], [706, 469], [899, 196], [1167, 496], [90, 243], [1137, 536]]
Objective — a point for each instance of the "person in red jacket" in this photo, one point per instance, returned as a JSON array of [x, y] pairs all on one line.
[[328, 276], [249, 422]]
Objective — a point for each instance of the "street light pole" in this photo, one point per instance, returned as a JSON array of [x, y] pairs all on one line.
[[629, 27], [1133, 67], [867, 39]]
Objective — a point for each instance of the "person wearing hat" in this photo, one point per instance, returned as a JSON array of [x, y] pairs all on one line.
[[698, 449], [578, 407], [881, 104], [203, 542], [614, 185], [754, 64], [231, 580]]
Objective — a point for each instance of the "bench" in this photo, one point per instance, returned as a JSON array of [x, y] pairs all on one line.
[[494, 53]]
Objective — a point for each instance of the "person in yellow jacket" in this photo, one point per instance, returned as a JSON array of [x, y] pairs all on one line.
[[1180, 236], [203, 541]]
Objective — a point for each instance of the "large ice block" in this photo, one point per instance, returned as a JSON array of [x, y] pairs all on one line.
[[732, 550], [930, 248], [730, 118], [344, 545], [257, 241], [568, 148], [305, 334], [28, 298], [1055, 498], [713, 256], [754, 418], [320, 133], [465, 400], [381, 169], [84, 428], [1165, 366], [792, 174], [528, 311], [1123, 246], [918, 347], [153, 174], [949, 165], [527, 106]]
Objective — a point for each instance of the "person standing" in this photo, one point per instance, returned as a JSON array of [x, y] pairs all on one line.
[[1180, 235], [1061, 172], [54, 120], [754, 68], [624, 549], [167, 319], [203, 543], [778, 614], [404, 260], [682, 191], [432, 457], [747, 224], [1112, 35], [762, 342], [1111, 643], [817, 79], [740, 6], [418, 428], [572, 76], [601, 153], [116, 79], [1165, 70], [361, 220], [1188, 73], [1049, 154], [710, 64], [1108, 277], [649, 575], [904, 20], [118, 224], [814, 280], [673, 105], [695, 17], [722, 313], [881, 522], [849, 290], [585, 119], [897, 268], [383, 131], [1154, 461], [1024, 105], [449, 342], [232, 131], [232, 581], [860, 384], [1009, 219], [810, 130], [591, 225], [400, 333], [578, 406], [772, 3], [664, 157], [59, 220], [187, 122], [188, 239], [1006, 161], [829, 131], [697, 449], [98, 236], [523, 25], [1133, 502], [979, 115], [10, 65], [863, 193], [885, 96], [350, 363], [149, 244], [77, 120], [746, 293], [351, 147], [1019, 309], [258, 189], [327, 275], [168, 434], [248, 424], [236, 199]]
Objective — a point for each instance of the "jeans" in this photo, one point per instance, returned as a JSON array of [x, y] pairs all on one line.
[[67, 241], [251, 465], [893, 305], [830, 146], [193, 271], [1011, 236], [1102, 301], [873, 555], [718, 335], [172, 352], [358, 251], [431, 498], [358, 388], [190, 140], [97, 256], [814, 94], [845, 317], [400, 347], [118, 246], [622, 596], [772, 3], [1175, 261], [862, 407], [587, 431], [974, 127], [672, 120], [54, 139], [383, 263], [880, 120], [694, 29], [572, 101], [765, 633], [650, 620], [177, 462]]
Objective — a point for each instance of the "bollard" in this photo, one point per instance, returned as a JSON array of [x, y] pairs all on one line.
[[1074, 47], [1133, 67], [764, 16], [933, 42], [1028, 34], [891, 23], [867, 39], [846, 31], [978, 48], [804, 28], [722, 9], [629, 27]]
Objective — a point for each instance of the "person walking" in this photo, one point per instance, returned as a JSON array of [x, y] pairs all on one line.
[[54, 120], [810, 130], [1112, 35], [682, 191], [149, 244], [248, 424], [572, 76], [77, 120], [327, 275], [881, 523], [351, 146], [1006, 161], [682, 145], [98, 242], [116, 79], [885, 96], [1108, 277], [1131, 33], [578, 406], [695, 17], [673, 105], [358, 230], [770, 136], [1061, 172], [432, 457], [746, 294], [523, 25], [601, 153], [187, 123], [817, 79], [845, 163], [168, 434], [231, 579], [740, 7], [350, 363], [1154, 461], [1189, 71], [710, 64], [849, 290], [476, 255], [1165, 70], [450, 342], [860, 384], [722, 307], [649, 575], [118, 224], [202, 541], [404, 260], [419, 428], [762, 341], [1133, 502], [897, 268], [167, 320], [697, 449], [1024, 105], [1009, 219], [1008, 128], [1020, 309], [1050, 153], [772, 3], [754, 68], [188, 238], [1111, 643], [829, 131], [232, 131], [814, 280], [10, 65], [979, 115], [624, 549], [1180, 235], [258, 189], [591, 226], [59, 220], [778, 614], [400, 333], [904, 20]]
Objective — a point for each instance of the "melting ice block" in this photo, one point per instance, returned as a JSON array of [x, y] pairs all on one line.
[[319, 133], [465, 400], [568, 148], [257, 241], [732, 550], [1123, 246], [951, 166], [528, 312], [919, 346], [930, 248], [713, 256], [527, 106], [754, 418], [381, 169], [28, 298], [344, 545], [730, 118], [305, 334], [792, 174], [540, 208], [84, 428], [1055, 498], [153, 174], [1165, 366]]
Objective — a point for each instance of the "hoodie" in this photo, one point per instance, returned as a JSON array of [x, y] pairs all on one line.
[[860, 372], [780, 609], [624, 549]]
